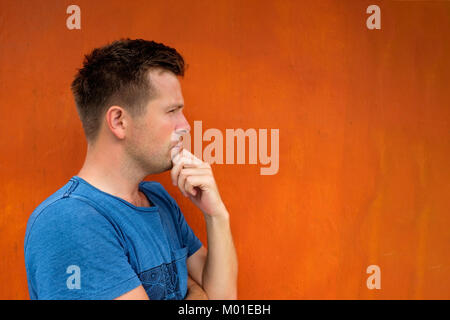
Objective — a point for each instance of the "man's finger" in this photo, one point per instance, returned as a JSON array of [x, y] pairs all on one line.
[[187, 155], [187, 172], [196, 181], [177, 169], [185, 163]]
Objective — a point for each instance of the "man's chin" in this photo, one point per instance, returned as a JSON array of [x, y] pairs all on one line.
[[160, 169], [167, 167], [170, 164]]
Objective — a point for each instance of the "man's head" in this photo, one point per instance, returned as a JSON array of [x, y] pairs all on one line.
[[127, 94]]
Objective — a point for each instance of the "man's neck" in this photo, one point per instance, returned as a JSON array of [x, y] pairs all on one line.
[[105, 171]]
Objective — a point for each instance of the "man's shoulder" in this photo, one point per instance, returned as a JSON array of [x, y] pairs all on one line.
[[59, 211]]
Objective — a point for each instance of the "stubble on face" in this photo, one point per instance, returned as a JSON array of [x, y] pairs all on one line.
[[149, 144], [145, 152]]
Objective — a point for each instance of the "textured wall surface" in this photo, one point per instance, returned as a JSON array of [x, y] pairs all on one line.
[[364, 132]]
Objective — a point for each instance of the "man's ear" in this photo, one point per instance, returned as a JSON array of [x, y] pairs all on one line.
[[117, 121]]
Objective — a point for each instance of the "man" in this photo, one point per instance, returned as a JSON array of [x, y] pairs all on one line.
[[107, 234]]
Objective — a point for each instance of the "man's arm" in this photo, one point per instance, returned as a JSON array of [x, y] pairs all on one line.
[[216, 273], [219, 278], [196, 264], [195, 291], [195, 180]]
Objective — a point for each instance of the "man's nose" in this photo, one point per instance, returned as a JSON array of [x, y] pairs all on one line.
[[181, 131], [184, 127]]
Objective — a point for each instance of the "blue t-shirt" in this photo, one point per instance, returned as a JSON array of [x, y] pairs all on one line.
[[83, 243]]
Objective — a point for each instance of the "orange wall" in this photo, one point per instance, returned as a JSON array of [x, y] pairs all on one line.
[[364, 132]]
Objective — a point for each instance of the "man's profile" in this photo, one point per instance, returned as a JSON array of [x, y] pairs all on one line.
[[107, 234]]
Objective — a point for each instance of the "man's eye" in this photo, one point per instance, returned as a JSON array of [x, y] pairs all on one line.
[[172, 110]]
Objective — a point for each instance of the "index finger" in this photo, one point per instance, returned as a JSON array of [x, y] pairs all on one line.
[[189, 157], [185, 163]]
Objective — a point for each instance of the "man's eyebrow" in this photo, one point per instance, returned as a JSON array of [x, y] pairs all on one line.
[[176, 106]]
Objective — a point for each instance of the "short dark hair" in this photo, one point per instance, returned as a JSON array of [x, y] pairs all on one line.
[[117, 74]]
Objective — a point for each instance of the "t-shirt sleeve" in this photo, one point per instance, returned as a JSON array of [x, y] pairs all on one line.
[[74, 252]]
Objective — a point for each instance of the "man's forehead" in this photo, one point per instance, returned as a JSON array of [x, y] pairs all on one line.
[[163, 79], [165, 84]]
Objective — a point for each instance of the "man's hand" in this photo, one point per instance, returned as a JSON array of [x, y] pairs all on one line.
[[195, 180], [195, 292]]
